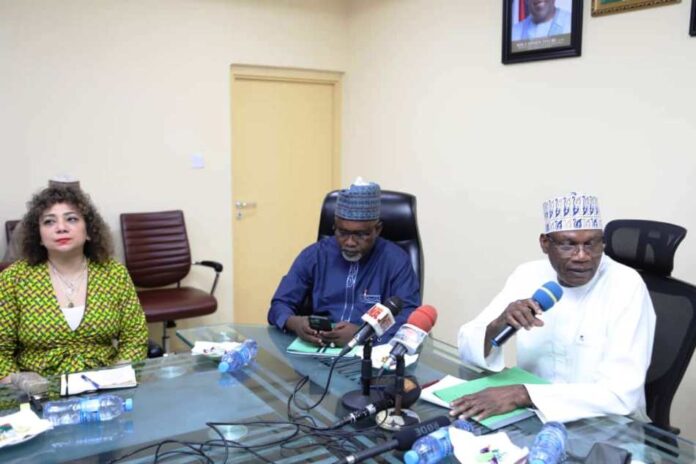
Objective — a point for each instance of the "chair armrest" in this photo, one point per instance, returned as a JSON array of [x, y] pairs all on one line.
[[214, 265]]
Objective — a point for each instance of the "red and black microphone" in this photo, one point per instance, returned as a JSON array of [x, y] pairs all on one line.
[[377, 320], [410, 336]]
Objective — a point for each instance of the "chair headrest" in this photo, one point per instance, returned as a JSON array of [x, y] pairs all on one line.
[[645, 245], [398, 214]]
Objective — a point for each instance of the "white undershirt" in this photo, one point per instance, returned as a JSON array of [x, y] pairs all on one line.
[[73, 315]]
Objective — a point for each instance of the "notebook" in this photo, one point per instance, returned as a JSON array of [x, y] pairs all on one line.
[[104, 379], [510, 376], [299, 346]]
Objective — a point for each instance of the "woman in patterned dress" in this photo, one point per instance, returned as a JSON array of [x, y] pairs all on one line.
[[67, 306]]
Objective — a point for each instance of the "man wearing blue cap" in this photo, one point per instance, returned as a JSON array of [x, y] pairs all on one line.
[[347, 274], [594, 346]]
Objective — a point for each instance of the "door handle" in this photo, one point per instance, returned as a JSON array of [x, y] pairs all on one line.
[[242, 205], [245, 204]]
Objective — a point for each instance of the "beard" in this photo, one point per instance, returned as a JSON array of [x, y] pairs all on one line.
[[352, 257]]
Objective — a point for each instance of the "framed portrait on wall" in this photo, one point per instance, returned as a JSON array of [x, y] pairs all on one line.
[[541, 29], [602, 7]]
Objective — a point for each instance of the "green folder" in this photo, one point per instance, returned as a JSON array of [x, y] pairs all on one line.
[[299, 346], [510, 376]]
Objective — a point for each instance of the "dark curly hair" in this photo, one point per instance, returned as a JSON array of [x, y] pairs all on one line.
[[98, 248]]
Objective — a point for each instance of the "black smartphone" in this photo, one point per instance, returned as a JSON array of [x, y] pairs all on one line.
[[320, 323]]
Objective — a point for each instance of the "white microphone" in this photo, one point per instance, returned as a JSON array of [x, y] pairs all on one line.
[[378, 319], [410, 336]]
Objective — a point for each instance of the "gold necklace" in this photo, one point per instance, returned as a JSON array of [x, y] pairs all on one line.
[[70, 287]]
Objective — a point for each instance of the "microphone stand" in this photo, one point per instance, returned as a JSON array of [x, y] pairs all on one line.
[[396, 418], [358, 399]]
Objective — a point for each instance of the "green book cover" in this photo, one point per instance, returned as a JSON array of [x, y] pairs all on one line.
[[510, 376], [299, 346]]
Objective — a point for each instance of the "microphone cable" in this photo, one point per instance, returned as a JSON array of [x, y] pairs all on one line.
[[293, 400]]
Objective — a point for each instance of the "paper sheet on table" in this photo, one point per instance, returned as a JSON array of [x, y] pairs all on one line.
[[213, 349], [21, 426], [380, 353], [428, 394], [493, 448]]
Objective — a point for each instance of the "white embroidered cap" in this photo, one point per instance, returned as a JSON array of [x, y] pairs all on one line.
[[574, 211]]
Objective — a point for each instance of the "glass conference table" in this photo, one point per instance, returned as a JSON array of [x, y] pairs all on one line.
[[178, 394]]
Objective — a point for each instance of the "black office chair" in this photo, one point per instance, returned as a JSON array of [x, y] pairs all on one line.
[[649, 247], [9, 228], [400, 225]]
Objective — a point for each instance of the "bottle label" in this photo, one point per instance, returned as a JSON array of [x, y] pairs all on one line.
[[89, 410], [90, 405]]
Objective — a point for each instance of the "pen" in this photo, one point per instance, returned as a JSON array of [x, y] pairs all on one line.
[[94, 384]]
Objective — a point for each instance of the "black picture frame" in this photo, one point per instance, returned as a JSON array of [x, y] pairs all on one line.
[[555, 45], [692, 23]]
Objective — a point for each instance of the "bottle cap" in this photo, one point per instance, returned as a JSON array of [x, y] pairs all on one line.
[[411, 457], [128, 404], [223, 366]]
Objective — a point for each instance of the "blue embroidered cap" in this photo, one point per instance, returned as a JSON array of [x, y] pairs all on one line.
[[575, 211], [359, 202]]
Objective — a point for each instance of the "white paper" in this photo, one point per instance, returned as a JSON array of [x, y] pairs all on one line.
[[25, 426], [213, 349], [468, 448], [428, 394], [380, 353]]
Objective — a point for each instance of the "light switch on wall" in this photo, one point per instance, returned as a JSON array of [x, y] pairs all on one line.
[[197, 161]]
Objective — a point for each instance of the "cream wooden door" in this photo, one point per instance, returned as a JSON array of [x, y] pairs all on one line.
[[285, 158]]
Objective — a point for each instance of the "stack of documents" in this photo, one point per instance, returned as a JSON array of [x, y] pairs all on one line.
[[105, 379], [447, 390]]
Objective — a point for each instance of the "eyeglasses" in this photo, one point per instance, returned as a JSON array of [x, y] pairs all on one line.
[[593, 247], [360, 235]]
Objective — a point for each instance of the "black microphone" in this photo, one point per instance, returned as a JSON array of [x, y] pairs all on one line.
[[402, 440], [410, 395], [378, 319], [369, 410], [547, 295]]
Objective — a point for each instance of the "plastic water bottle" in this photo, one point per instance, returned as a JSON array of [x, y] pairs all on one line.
[[436, 446], [81, 410], [549, 444], [241, 356]]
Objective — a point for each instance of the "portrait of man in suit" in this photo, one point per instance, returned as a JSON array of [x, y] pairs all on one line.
[[540, 19]]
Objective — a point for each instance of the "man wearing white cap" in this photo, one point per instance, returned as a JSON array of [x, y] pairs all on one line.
[[594, 345], [347, 274]]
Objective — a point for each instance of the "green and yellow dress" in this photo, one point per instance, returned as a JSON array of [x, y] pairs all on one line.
[[35, 336]]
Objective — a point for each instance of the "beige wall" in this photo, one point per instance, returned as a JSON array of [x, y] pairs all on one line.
[[121, 93], [430, 109]]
